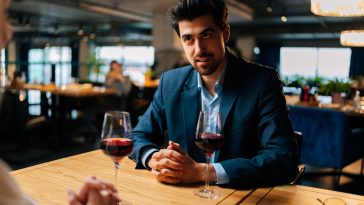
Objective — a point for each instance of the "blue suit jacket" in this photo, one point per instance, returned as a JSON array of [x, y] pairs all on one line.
[[259, 147]]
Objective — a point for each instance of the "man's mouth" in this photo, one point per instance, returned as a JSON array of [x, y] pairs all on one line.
[[203, 58]]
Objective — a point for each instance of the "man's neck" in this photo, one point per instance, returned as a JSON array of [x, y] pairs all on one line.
[[210, 80]]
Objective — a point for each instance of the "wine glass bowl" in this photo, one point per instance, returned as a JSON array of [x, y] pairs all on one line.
[[116, 141], [209, 142], [209, 138], [116, 148]]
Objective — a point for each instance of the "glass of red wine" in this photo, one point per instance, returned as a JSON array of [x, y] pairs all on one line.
[[116, 135], [209, 138]]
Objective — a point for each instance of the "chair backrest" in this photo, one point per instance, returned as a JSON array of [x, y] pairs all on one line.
[[301, 167], [298, 138], [327, 139], [13, 114]]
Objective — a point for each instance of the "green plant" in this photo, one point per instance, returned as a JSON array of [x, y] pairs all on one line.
[[317, 81], [94, 65], [335, 86], [294, 81]]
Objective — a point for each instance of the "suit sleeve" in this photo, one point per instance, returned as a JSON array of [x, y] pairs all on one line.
[[276, 162], [148, 134]]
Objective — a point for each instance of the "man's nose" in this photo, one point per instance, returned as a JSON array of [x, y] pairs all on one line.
[[200, 45]]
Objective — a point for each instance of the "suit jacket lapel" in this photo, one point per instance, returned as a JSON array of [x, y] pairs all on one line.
[[230, 88], [191, 106]]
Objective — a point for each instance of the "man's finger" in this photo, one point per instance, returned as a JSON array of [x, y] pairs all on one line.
[[170, 154], [177, 147], [167, 163], [176, 155], [166, 179], [171, 173]]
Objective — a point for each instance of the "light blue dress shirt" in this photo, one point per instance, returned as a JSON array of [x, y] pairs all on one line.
[[211, 104]]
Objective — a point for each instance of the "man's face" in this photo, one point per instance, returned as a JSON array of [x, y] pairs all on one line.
[[5, 32], [204, 43]]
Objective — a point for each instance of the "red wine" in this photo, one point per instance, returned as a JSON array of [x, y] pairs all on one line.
[[209, 142], [116, 148]]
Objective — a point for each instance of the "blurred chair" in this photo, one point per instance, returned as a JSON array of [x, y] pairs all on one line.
[[301, 167], [328, 139], [16, 124]]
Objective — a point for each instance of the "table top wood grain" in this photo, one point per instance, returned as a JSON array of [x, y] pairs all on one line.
[[49, 182]]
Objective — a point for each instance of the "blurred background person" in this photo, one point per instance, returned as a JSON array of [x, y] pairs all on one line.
[[115, 79], [122, 85]]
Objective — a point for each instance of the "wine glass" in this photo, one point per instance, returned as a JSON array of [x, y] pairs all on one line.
[[116, 135], [209, 138]]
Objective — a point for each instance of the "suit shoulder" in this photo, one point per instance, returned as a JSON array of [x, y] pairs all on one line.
[[254, 70], [177, 77], [259, 67], [179, 71], [245, 66]]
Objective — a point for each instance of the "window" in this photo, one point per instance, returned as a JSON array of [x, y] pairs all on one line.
[[2, 58], [34, 102], [135, 60], [40, 64], [330, 63], [40, 71], [3, 78]]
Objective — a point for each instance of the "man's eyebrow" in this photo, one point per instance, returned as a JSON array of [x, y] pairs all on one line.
[[186, 35], [208, 30], [202, 32]]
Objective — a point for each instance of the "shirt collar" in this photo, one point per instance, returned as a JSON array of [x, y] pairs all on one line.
[[218, 84]]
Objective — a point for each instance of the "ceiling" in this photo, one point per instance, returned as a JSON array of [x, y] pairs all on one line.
[[129, 21]]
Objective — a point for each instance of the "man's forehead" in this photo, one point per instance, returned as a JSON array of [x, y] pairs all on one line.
[[196, 25]]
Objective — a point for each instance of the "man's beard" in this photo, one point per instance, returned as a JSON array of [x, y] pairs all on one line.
[[209, 69]]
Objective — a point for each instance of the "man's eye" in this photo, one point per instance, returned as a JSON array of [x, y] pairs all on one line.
[[206, 35], [187, 39]]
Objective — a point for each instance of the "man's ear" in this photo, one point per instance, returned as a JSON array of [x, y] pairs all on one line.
[[226, 33]]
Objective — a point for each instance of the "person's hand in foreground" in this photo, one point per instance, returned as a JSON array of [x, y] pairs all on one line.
[[94, 192]]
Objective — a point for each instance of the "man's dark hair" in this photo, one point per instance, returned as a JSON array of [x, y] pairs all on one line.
[[191, 9]]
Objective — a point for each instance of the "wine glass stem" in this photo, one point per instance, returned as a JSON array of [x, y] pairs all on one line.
[[117, 166], [207, 181]]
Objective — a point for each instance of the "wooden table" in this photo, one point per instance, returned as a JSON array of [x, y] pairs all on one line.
[[48, 184], [58, 102], [299, 195]]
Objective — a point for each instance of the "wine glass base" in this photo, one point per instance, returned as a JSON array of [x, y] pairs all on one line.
[[207, 194]]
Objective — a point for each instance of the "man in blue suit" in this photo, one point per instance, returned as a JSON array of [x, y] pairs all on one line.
[[258, 148]]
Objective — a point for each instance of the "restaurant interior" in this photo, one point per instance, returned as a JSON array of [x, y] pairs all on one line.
[[54, 92]]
